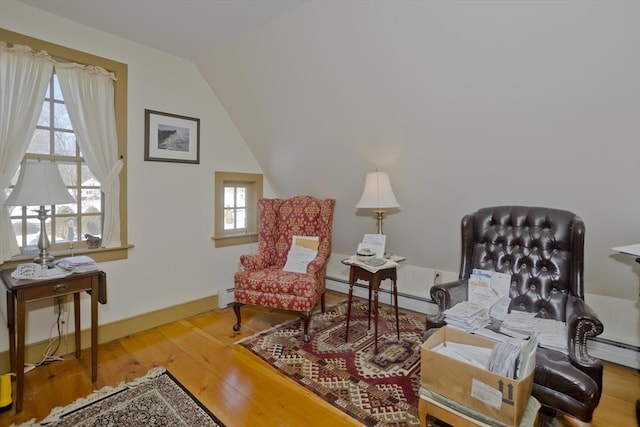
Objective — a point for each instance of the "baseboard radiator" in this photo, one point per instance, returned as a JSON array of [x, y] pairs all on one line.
[[225, 297], [601, 348]]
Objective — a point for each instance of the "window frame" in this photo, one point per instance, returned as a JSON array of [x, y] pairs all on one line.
[[254, 186], [120, 70]]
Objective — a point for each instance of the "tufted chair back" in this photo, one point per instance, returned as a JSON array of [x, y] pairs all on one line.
[[541, 248]]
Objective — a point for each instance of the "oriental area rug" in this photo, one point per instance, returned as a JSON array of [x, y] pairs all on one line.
[[157, 399], [376, 389]]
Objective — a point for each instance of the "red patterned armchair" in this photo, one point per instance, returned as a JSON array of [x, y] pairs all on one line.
[[263, 282]]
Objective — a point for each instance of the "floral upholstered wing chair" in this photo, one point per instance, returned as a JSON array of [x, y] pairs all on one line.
[[262, 281]]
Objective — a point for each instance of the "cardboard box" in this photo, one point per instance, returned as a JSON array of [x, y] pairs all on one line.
[[501, 398]]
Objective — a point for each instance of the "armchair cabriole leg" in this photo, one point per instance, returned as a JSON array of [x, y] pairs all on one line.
[[236, 310], [306, 318]]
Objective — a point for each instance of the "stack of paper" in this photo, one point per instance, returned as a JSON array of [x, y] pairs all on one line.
[[371, 265], [473, 355], [78, 264], [487, 287], [467, 316], [552, 334], [504, 358], [519, 324]]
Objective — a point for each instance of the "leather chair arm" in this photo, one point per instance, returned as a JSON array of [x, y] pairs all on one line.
[[445, 296], [253, 262], [582, 324]]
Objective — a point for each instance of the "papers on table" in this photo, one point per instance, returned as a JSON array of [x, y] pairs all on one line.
[[629, 250], [78, 264], [304, 249], [353, 260], [373, 243]]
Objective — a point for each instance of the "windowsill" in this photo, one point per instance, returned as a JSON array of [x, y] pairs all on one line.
[[235, 239], [98, 254]]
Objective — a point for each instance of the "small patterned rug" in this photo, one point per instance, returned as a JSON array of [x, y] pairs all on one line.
[[157, 399], [376, 389]]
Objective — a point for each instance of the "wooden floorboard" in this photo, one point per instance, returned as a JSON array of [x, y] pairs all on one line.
[[239, 388]]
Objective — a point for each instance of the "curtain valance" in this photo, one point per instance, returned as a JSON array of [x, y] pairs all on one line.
[[20, 49]]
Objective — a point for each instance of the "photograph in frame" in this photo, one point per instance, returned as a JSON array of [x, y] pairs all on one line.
[[171, 138]]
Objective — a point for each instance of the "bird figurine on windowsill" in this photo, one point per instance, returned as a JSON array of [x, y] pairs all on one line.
[[93, 242]]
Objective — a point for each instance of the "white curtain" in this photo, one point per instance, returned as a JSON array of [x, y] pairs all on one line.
[[24, 76], [89, 96]]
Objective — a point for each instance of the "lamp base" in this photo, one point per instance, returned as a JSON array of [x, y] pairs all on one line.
[[379, 216], [44, 259]]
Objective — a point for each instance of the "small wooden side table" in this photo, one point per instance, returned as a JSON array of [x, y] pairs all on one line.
[[357, 272], [20, 292]]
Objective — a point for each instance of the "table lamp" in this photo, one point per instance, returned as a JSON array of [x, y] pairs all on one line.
[[378, 195], [40, 184]]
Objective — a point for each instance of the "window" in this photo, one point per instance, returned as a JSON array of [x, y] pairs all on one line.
[[54, 139], [236, 200], [86, 215]]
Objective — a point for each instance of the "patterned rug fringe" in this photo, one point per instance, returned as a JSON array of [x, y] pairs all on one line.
[[58, 412], [272, 328]]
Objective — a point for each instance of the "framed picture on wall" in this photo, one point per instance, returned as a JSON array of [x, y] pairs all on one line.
[[171, 138]]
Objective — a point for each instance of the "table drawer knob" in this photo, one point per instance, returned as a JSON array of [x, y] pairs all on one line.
[[61, 287]]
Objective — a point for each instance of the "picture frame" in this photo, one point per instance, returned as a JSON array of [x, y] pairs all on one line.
[[171, 137]]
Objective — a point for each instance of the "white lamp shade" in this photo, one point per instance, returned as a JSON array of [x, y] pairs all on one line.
[[377, 193], [39, 183]]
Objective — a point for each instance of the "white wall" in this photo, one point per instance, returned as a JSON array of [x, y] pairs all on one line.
[[170, 205], [466, 104]]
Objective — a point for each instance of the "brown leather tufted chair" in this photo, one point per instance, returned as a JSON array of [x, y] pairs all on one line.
[[543, 250]]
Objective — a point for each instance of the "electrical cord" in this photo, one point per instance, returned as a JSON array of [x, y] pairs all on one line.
[[49, 353]]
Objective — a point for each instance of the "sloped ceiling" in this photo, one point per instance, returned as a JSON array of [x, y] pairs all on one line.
[[464, 103], [185, 28]]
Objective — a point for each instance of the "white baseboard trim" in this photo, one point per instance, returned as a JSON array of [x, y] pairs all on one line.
[[406, 301], [616, 353]]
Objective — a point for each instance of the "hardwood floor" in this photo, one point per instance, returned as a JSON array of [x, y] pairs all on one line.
[[236, 386]]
